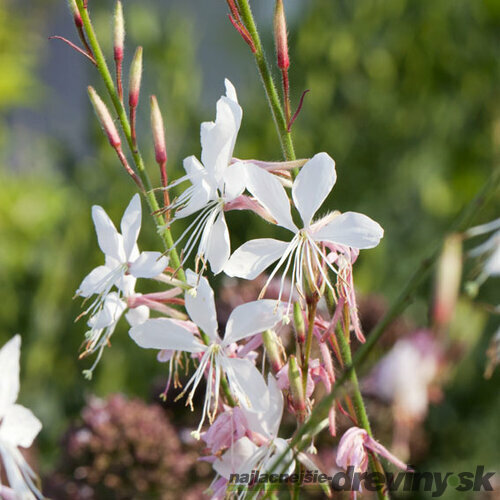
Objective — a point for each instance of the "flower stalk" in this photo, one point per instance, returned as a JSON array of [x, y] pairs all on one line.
[[103, 69]]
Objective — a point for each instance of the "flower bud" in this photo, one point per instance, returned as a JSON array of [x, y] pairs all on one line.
[[298, 321], [118, 32], [158, 132], [448, 278], [105, 119], [76, 13], [280, 36], [271, 344], [134, 87], [296, 388]]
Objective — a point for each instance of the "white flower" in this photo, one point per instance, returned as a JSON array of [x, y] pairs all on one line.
[[311, 187], [123, 262], [102, 325], [262, 451], [18, 425], [249, 319], [214, 182]]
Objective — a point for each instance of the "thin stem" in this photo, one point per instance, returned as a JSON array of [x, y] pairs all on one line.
[[357, 398], [103, 69], [311, 314], [268, 82]]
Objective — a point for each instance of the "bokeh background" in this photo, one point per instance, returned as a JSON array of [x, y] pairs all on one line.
[[404, 94]]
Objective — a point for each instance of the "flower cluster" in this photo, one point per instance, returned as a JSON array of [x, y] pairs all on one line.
[[244, 397]]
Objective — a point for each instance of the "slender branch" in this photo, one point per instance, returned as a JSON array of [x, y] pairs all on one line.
[[268, 82], [358, 403], [103, 69]]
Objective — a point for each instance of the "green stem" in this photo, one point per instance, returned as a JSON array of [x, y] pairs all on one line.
[[102, 67], [273, 99], [357, 398], [312, 306]]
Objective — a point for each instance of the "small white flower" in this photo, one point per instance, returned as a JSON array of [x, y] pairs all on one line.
[[123, 261], [214, 182], [102, 325], [18, 425], [311, 187], [245, 380]]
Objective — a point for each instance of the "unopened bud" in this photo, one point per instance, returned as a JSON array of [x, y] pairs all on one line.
[[104, 116], [280, 36], [448, 278], [270, 342], [76, 13], [118, 32], [158, 132], [134, 87], [298, 321], [296, 388]]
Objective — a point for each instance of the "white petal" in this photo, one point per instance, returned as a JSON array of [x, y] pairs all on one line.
[[234, 458], [218, 246], [94, 282], [251, 318], [218, 139], [131, 225], [110, 313], [271, 194], [201, 195], [163, 333], [230, 90], [246, 382], [18, 474], [19, 426], [313, 184], [126, 283], [266, 420], [201, 308], [137, 315], [110, 241], [281, 446], [148, 265], [233, 181], [351, 229], [251, 258], [9, 373]]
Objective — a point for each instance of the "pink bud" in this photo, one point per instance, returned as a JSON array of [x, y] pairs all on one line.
[[76, 13], [158, 132], [135, 79], [104, 117], [119, 32], [280, 36], [353, 450]]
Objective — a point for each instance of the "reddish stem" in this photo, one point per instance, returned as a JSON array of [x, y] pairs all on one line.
[[73, 46]]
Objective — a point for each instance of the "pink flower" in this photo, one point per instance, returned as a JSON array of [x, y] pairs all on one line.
[[227, 428], [353, 450]]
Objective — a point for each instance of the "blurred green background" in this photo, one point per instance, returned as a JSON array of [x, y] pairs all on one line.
[[403, 94]]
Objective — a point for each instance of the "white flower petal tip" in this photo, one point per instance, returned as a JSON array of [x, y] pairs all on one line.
[[313, 184], [230, 90], [351, 229]]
